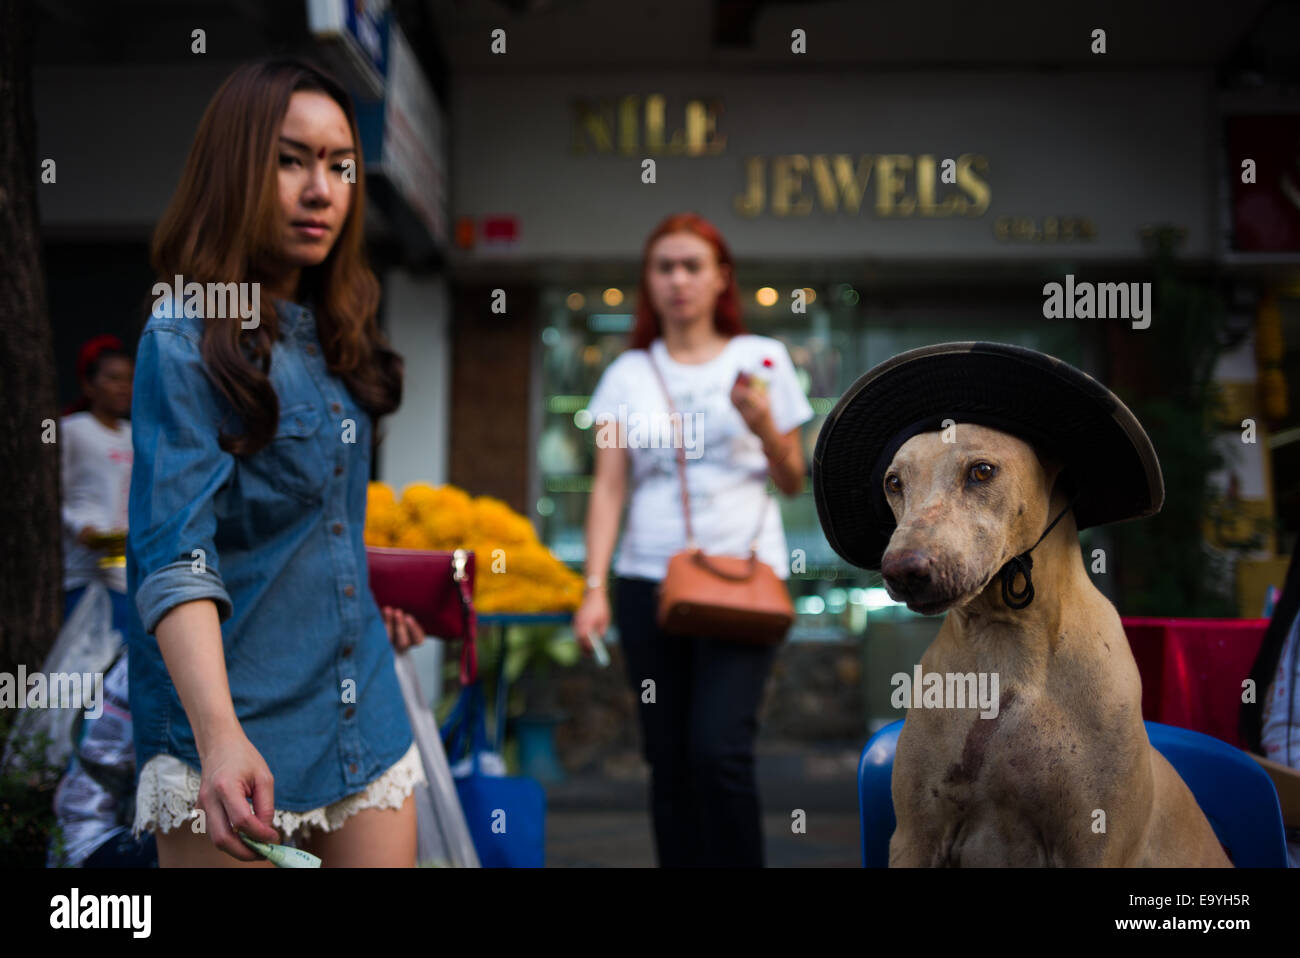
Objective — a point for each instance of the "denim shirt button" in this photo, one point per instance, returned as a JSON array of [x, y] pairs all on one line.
[[349, 591], [335, 407], [311, 350], [338, 470], [347, 651], [337, 528], [352, 768], [349, 712]]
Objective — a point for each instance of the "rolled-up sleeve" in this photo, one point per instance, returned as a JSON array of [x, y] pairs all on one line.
[[178, 470]]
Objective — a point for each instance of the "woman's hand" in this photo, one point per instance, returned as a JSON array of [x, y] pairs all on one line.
[[233, 772], [403, 630], [592, 618], [752, 403], [784, 455]]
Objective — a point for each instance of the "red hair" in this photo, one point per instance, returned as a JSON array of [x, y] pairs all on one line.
[[726, 311]]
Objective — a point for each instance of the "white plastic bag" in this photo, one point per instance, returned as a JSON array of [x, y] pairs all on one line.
[[87, 643], [442, 834]]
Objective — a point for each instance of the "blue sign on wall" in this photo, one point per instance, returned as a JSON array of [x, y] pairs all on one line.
[[356, 33]]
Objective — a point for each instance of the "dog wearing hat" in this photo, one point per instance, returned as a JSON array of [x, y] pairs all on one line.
[[963, 473]]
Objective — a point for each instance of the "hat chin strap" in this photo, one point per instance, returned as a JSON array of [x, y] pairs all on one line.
[[1021, 564]]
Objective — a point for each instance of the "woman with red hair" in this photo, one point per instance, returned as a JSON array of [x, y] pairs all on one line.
[[741, 408]]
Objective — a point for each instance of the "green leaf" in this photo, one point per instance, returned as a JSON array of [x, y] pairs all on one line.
[[516, 661], [563, 649]]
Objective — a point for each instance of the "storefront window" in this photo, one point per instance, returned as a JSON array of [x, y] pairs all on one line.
[[835, 341]]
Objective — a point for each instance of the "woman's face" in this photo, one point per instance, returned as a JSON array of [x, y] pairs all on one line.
[[316, 178], [109, 389], [685, 279]]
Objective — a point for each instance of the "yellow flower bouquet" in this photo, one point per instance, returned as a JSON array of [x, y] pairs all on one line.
[[514, 572]]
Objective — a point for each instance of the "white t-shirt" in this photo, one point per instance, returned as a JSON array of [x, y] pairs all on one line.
[[726, 471], [96, 465]]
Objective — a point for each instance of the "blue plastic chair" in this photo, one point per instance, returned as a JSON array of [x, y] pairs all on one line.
[[1236, 795]]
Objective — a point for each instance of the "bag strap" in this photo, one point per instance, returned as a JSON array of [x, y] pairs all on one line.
[[469, 648], [465, 729], [503, 690], [478, 729], [681, 466], [453, 729]]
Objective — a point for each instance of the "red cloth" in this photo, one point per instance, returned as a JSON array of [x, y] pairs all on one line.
[[1192, 670]]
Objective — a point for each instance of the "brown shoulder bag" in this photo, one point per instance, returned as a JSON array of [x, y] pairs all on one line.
[[724, 597]]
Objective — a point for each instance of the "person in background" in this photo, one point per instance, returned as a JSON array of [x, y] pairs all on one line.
[[95, 459], [1269, 724], [698, 734], [95, 801]]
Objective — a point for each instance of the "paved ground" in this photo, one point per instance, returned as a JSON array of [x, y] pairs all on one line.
[[603, 821], [613, 839]]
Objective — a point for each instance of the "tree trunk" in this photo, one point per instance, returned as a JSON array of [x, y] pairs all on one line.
[[31, 564]]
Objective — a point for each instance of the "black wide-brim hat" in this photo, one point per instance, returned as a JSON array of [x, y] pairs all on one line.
[[1061, 411]]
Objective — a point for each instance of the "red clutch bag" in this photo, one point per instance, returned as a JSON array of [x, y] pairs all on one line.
[[437, 588]]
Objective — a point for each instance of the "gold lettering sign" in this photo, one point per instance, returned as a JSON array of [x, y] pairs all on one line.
[[1050, 229], [634, 126], [904, 185]]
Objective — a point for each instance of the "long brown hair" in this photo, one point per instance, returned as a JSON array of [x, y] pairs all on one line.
[[221, 224], [726, 312]]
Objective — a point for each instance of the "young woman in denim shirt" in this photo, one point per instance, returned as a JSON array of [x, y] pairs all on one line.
[[261, 670]]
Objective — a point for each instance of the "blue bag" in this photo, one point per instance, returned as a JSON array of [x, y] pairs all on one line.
[[506, 814]]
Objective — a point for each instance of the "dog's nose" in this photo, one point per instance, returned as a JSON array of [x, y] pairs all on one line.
[[908, 572]]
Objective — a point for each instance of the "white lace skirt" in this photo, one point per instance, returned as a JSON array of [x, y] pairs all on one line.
[[169, 791]]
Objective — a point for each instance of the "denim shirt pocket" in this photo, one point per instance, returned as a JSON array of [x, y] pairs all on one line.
[[293, 461]]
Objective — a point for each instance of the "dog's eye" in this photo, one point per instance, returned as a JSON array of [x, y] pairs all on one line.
[[893, 484], [982, 471]]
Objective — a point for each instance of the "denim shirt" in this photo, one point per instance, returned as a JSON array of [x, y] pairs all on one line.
[[311, 668]]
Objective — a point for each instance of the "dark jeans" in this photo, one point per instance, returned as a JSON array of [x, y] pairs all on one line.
[[697, 735], [123, 851]]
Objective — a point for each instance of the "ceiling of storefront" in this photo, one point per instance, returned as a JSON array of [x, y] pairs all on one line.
[[722, 34], [695, 34], [1241, 40]]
